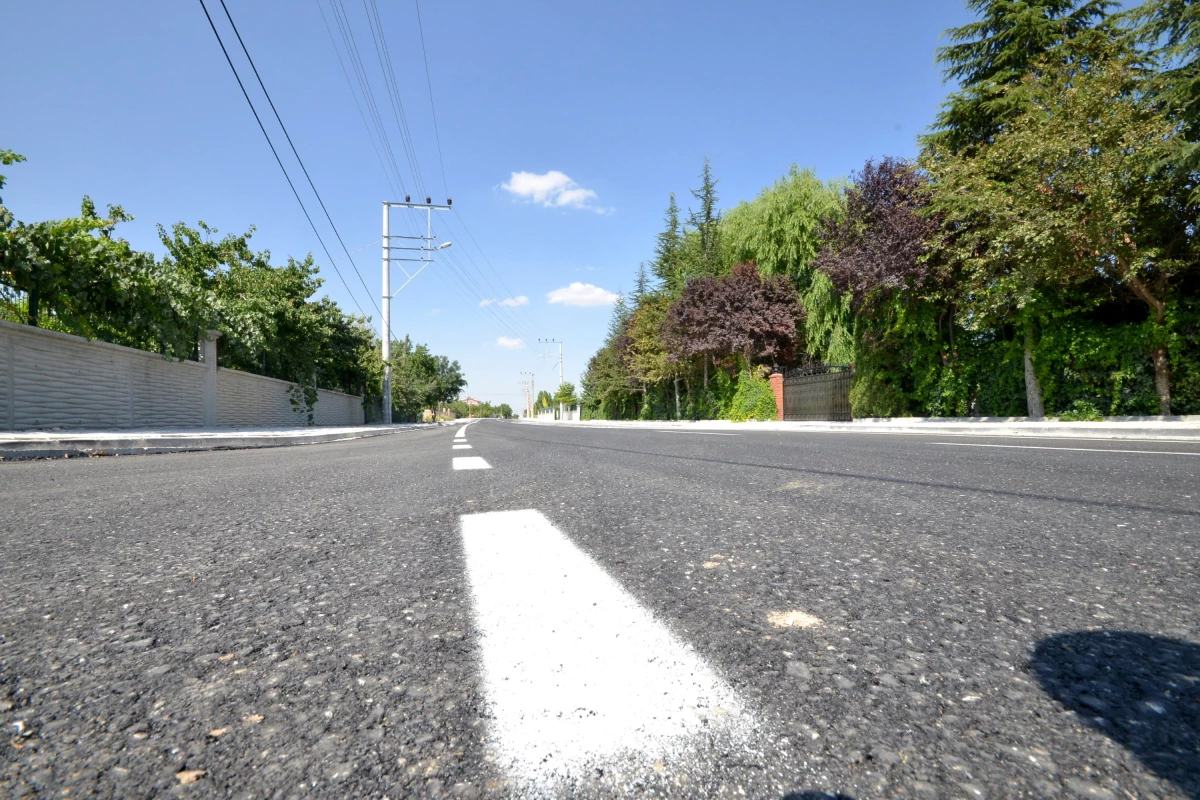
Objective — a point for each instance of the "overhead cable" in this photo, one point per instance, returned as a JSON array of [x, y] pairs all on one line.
[[278, 160]]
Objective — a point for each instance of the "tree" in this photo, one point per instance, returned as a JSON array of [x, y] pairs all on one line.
[[544, 400], [879, 245], [704, 258], [504, 410], [1170, 29], [991, 55], [1073, 190], [565, 395], [668, 252], [741, 314], [780, 230]]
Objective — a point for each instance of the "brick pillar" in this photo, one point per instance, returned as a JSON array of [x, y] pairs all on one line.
[[777, 388]]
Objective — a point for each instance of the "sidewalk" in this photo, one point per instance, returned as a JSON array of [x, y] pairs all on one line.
[[70, 443], [1166, 429]]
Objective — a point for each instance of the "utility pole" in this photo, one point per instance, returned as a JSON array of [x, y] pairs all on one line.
[[561, 412], [532, 395], [426, 251]]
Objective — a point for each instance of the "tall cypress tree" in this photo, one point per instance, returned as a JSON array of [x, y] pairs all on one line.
[[1000, 48]]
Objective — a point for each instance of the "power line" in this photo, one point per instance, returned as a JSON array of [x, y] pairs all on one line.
[[432, 109], [278, 160], [392, 85], [299, 160]]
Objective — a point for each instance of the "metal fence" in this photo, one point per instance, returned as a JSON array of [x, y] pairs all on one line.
[[818, 392]]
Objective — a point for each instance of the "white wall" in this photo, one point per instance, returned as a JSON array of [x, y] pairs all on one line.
[[55, 380]]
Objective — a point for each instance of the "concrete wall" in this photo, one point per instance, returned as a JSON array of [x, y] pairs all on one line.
[[55, 380]]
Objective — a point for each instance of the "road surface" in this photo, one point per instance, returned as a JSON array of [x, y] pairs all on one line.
[[531, 611]]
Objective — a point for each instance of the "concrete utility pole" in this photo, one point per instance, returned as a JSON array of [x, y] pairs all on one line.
[[426, 250], [532, 401], [561, 412]]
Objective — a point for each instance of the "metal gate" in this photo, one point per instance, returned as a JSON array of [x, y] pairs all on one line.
[[817, 392]]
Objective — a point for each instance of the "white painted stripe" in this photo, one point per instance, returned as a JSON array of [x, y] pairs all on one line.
[[581, 680], [462, 447], [1077, 449], [470, 462], [698, 433], [462, 433]]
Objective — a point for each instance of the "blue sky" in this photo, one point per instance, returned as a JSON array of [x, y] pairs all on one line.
[[563, 128]]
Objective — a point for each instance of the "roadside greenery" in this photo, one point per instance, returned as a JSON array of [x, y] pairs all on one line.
[[1039, 256], [78, 276]]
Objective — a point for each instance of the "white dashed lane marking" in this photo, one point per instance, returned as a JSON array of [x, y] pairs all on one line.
[[470, 462], [581, 680], [462, 447]]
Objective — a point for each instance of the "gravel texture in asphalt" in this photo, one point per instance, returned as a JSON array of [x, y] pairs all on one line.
[[901, 617]]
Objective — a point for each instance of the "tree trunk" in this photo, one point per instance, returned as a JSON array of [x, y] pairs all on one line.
[[1162, 375], [1162, 380], [676, 397], [32, 310], [1033, 390]]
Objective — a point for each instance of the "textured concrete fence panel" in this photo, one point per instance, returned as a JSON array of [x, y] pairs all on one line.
[[54, 380]]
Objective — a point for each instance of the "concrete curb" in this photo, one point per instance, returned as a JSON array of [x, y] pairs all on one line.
[[119, 443], [1178, 429]]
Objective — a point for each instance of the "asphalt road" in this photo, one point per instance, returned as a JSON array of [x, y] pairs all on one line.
[[661, 614]]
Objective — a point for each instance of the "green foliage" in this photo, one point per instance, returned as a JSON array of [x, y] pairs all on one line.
[[779, 230], [753, 399], [1082, 411], [76, 275], [422, 380], [565, 395]]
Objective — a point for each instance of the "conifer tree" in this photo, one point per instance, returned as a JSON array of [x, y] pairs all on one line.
[[993, 53], [668, 260], [706, 222]]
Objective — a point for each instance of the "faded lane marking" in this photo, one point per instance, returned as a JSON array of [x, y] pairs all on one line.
[[697, 433], [1076, 449], [470, 462], [793, 619], [461, 447], [582, 682]]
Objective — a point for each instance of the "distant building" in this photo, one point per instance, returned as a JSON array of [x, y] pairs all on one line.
[[471, 401]]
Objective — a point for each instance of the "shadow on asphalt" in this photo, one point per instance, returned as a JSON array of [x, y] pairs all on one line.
[[1140, 690]]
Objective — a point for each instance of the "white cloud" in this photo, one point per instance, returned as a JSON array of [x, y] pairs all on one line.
[[486, 303], [513, 302], [552, 189], [582, 294], [510, 344], [434, 311]]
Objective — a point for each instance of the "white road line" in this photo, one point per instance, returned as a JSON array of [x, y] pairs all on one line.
[[462, 447], [461, 434], [697, 433], [470, 462], [580, 678], [1077, 449]]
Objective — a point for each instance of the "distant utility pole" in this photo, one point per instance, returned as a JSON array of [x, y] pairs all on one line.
[[531, 396], [561, 413], [425, 258]]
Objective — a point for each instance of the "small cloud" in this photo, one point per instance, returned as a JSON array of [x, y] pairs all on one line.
[[510, 344], [433, 311], [552, 189], [513, 302], [486, 303], [582, 294]]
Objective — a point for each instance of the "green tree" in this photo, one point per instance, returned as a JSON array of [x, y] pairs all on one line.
[[1072, 189], [544, 400], [703, 257], [565, 395], [991, 55], [668, 252]]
